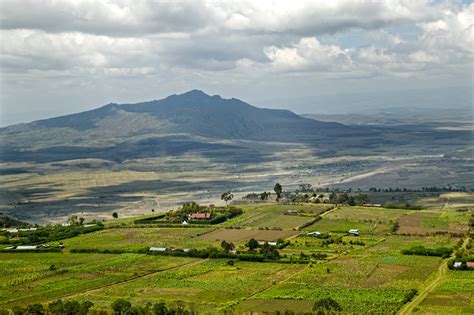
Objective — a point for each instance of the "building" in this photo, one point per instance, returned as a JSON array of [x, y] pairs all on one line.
[[157, 249], [272, 243], [315, 234], [353, 232], [199, 216], [470, 264], [457, 264], [28, 247]]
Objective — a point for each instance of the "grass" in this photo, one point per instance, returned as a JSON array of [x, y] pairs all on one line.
[[273, 216], [27, 278], [136, 239], [452, 296], [211, 286]]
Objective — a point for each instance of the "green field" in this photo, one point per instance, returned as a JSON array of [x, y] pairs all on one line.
[[137, 239], [364, 274]]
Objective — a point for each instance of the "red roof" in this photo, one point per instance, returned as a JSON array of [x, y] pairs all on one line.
[[200, 216], [470, 264]]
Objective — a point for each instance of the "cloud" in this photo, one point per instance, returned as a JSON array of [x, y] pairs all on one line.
[[51, 44]]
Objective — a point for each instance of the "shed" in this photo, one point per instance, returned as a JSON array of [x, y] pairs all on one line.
[[353, 232], [27, 247], [157, 249]]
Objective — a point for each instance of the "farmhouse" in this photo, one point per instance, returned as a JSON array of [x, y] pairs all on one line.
[[353, 232], [157, 249], [272, 243], [457, 264], [199, 216], [315, 234], [470, 264]]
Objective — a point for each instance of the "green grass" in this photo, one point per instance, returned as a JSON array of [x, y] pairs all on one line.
[[136, 239], [211, 286], [27, 278], [273, 216], [452, 296]]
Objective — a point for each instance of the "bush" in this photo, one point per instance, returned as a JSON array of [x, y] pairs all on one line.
[[424, 251], [326, 305]]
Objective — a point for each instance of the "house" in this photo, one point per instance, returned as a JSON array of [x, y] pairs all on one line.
[[470, 264], [12, 230], [372, 205], [291, 212], [353, 232], [28, 247], [184, 222], [157, 249], [199, 216], [66, 224], [457, 264], [272, 243], [315, 234], [89, 225]]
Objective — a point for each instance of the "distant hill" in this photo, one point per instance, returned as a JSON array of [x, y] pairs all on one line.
[[193, 120], [211, 126], [7, 221]]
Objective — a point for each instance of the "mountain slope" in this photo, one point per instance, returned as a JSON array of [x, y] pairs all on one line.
[[193, 113]]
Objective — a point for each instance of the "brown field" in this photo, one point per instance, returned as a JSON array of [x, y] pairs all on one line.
[[413, 224], [233, 235]]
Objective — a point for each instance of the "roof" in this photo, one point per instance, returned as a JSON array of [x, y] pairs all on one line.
[[200, 215], [470, 264], [272, 243], [89, 225], [353, 231], [157, 249], [27, 247], [457, 264], [314, 233]]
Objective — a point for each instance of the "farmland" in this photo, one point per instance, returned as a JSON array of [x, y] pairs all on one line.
[[368, 273]]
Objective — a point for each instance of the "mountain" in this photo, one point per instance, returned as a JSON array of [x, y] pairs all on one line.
[[172, 125], [210, 126]]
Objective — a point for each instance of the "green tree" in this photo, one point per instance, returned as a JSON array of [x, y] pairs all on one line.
[[35, 309], [160, 308], [326, 305], [115, 215], [56, 308], [278, 190], [227, 247], [252, 244], [121, 306], [227, 196]]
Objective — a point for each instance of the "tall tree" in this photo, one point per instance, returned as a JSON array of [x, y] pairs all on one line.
[[227, 196], [278, 190]]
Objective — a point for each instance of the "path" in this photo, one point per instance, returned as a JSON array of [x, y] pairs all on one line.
[[443, 268]]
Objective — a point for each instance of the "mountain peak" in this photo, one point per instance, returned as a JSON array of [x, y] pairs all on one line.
[[195, 93]]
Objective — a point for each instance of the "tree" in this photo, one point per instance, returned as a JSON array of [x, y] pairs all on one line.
[[252, 244], [56, 308], [121, 306], [326, 305], [72, 220], [115, 215], [227, 247], [305, 187], [35, 309], [227, 196], [278, 190], [81, 221], [160, 309]]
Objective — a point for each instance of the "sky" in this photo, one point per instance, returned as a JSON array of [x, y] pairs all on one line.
[[59, 57]]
